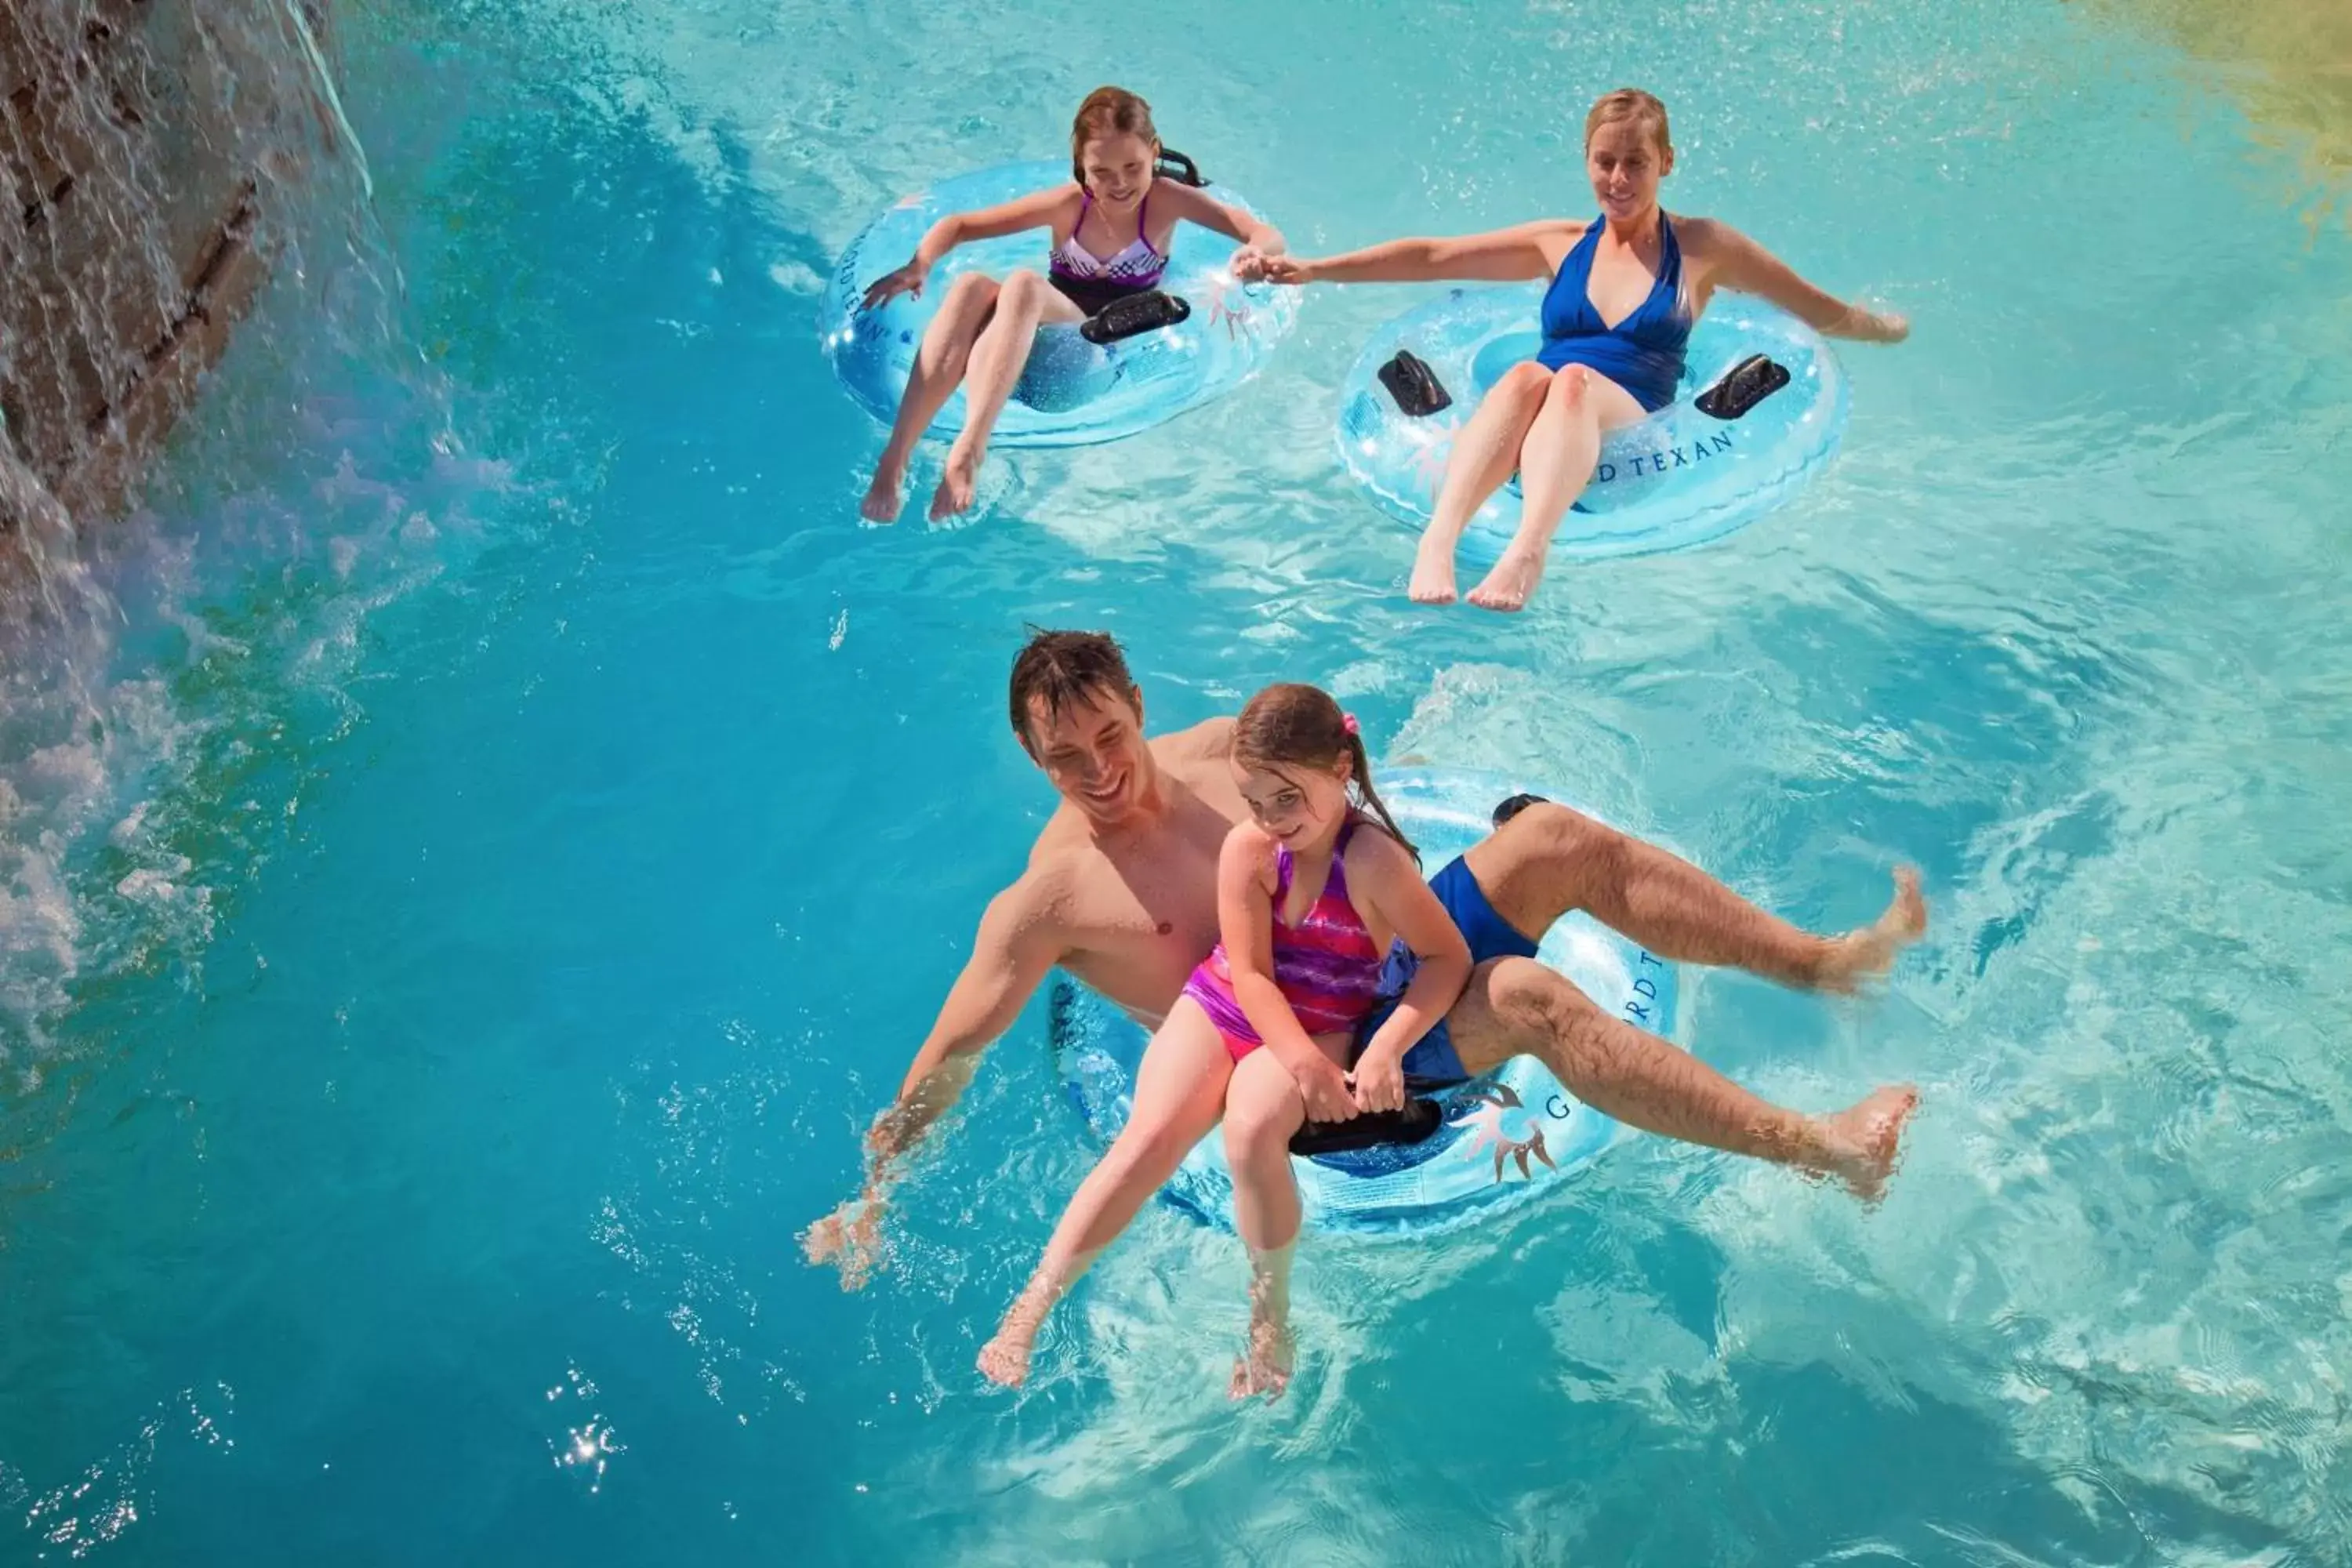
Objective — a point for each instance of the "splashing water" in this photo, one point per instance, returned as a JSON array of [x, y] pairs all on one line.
[[145, 688]]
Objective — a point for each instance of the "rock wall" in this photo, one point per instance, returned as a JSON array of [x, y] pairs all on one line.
[[142, 146]]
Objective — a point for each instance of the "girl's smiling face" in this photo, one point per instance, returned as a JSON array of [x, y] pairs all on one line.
[[1118, 168], [1303, 807]]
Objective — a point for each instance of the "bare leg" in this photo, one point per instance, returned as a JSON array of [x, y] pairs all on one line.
[[1180, 1090], [1485, 451], [1548, 859], [1516, 1006], [1263, 1109], [1024, 300], [939, 366], [1555, 464]]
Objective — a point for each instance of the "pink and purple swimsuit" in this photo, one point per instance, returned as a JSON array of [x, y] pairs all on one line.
[[1327, 966]]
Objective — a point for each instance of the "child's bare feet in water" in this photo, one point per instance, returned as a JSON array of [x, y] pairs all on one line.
[[1266, 1368], [883, 496], [954, 497], [1868, 952], [1864, 1138]]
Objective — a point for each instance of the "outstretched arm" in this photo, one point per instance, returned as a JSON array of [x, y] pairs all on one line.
[[1018, 942], [1036, 211], [1259, 238], [1527, 250], [1742, 264], [1382, 875]]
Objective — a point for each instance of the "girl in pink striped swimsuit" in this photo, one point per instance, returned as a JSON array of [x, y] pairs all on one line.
[[1312, 894], [1325, 969]]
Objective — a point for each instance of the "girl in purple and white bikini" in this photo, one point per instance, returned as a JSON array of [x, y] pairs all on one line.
[[1111, 227]]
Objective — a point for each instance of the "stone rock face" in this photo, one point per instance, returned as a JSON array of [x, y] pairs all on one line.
[[142, 146]]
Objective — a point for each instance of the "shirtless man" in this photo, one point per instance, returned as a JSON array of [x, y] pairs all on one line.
[[1122, 891]]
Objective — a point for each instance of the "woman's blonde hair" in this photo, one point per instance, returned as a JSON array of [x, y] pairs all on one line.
[[1630, 103]]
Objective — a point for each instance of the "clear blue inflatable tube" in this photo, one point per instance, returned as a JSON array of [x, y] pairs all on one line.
[[1506, 1136], [1071, 393], [1675, 479]]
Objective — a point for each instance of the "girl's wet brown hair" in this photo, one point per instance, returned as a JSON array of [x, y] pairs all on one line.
[[1293, 725], [1109, 111], [1630, 103]]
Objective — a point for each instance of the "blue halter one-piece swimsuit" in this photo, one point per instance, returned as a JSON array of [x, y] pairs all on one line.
[[1643, 352]]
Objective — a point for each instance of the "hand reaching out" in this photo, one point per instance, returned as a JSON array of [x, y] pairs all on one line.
[[907, 279], [1868, 326], [1251, 267]]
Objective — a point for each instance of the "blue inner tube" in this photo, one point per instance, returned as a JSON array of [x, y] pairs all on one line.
[[1505, 1136], [1676, 478], [1071, 393]]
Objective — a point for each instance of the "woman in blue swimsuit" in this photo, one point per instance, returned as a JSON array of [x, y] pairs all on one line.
[[1111, 225], [1625, 288]]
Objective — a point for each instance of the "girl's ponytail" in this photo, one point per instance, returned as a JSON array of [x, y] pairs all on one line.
[[1370, 796]]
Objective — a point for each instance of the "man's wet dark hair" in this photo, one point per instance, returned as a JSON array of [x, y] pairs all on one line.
[[1065, 667]]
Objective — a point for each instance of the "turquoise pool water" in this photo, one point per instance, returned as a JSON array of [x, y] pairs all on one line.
[[462, 908]]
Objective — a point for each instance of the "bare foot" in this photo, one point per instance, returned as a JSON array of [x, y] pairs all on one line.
[[1004, 1360], [1870, 952], [1863, 1139], [1432, 575], [1515, 577], [954, 497], [1266, 1368], [850, 1237], [882, 497]]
